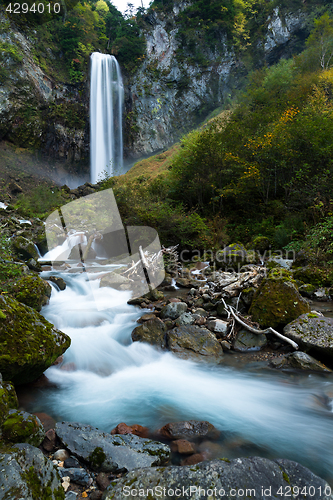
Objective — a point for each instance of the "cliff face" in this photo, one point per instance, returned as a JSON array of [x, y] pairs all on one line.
[[166, 97]]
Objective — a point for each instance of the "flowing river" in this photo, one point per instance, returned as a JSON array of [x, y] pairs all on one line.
[[106, 379]]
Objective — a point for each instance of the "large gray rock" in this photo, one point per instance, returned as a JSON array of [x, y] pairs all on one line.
[[152, 332], [255, 478], [193, 342], [173, 310], [25, 473], [109, 453], [301, 361], [313, 333]]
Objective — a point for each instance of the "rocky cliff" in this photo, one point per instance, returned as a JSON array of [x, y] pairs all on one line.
[[167, 96]]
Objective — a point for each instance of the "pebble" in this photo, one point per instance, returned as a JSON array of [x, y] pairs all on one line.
[[61, 455], [71, 495]]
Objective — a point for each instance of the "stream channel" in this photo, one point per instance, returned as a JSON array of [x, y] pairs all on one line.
[[106, 379]]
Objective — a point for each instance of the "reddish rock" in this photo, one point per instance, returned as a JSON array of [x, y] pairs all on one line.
[[49, 440], [136, 429], [190, 429], [193, 459], [47, 421], [102, 481], [183, 447], [58, 361]]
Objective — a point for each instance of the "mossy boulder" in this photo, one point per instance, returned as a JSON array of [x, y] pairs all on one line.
[[29, 344], [32, 291], [233, 255], [22, 427], [261, 244], [8, 398], [27, 473], [316, 276], [307, 290], [24, 248], [276, 303]]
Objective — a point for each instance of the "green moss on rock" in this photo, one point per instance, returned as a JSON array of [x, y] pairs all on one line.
[[29, 344], [22, 427], [276, 303], [32, 291]]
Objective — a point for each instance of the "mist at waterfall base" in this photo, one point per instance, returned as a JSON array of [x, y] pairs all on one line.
[[106, 379], [106, 107]]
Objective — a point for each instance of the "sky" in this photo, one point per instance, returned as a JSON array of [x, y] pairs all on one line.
[[122, 4]]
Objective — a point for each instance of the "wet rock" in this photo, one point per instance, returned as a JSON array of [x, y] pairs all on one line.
[[301, 361], [183, 447], [107, 453], [173, 310], [151, 331], [102, 481], [185, 319], [49, 440], [194, 342], [71, 462], [136, 429], [244, 474], [22, 427], [189, 429], [61, 284], [26, 473], [276, 303], [312, 332], [193, 459], [247, 341], [29, 344]]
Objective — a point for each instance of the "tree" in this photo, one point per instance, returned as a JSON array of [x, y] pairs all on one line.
[[320, 40]]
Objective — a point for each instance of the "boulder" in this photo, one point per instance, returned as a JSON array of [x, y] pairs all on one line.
[[239, 478], [301, 361], [61, 284], [307, 290], [107, 453], [183, 447], [312, 333], [232, 255], [24, 248], [22, 427], [194, 342], [28, 343], [27, 474], [32, 291], [189, 429], [136, 429], [247, 341], [218, 326], [173, 310], [151, 331], [276, 303]]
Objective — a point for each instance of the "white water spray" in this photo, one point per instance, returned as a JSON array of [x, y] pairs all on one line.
[[106, 103]]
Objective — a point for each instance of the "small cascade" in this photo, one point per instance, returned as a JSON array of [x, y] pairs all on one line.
[[106, 104]]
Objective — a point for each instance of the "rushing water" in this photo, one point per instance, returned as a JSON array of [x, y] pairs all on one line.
[[106, 103], [107, 379]]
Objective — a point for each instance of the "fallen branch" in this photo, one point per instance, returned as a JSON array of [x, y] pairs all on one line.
[[255, 330]]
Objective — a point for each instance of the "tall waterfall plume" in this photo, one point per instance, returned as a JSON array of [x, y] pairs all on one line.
[[106, 104]]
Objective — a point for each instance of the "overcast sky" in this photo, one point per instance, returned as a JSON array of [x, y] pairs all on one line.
[[122, 4]]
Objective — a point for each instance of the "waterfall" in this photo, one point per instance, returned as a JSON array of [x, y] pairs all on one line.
[[106, 102]]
